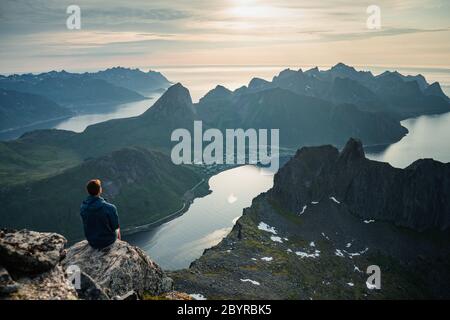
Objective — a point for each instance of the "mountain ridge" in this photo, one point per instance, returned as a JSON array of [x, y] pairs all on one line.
[[350, 177], [84, 91], [408, 96]]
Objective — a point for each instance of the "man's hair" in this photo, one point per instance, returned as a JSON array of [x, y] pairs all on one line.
[[93, 187]]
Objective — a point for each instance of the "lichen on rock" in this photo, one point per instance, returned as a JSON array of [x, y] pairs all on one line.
[[36, 266], [119, 269], [30, 252], [30, 266]]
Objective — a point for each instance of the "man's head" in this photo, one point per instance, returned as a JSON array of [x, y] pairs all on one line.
[[94, 187]]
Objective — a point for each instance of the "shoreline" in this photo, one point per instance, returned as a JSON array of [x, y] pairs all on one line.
[[74, 113], [36, 123], [189, 199]]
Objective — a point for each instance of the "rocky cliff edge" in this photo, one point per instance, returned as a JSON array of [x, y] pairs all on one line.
[[35, 265]]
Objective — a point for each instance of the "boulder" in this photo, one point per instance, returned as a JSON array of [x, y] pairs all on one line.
[[30, 252], [30, 266], [119, 269], [50, 285]]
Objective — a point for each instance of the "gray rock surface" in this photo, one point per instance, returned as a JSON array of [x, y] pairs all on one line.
[[34, 265], [50, 285], [31, 266], [119, 269], [30, 252], [89, 289]]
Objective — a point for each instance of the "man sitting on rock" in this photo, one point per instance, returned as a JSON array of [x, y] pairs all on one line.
[[100, 219]]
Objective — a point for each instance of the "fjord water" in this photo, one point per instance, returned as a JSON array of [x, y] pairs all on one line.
[[80, 122], [428, 137], [175, 244], [126, 110]]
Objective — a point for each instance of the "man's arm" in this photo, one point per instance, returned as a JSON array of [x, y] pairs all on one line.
[[114, 221]]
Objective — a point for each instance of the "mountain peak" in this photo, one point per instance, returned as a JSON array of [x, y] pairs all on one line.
[[435, 89], [257, 83], [177, 98], [314, 70], [343, 66], [390, 75], [179, 91], [221, 88], [436, 86], [353, 150], [219, 92], [286, 72]]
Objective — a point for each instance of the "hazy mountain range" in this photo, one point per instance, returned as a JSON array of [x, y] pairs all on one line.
[[18, 109], [390, 92], [73, 93], [134, 79]]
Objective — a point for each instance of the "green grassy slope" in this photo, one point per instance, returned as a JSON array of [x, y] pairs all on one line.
[[144, 185]]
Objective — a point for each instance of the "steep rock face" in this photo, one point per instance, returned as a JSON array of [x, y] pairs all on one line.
[[417, 197], [152, 129], [119, 269], [175, 102]]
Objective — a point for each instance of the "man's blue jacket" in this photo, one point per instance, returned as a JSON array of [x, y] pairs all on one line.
[[100, 221]]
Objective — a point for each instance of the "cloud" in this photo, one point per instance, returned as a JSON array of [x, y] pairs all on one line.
[[31, 30], [368, 34]]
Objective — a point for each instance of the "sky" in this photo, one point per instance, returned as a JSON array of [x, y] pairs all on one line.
[[34, 36]]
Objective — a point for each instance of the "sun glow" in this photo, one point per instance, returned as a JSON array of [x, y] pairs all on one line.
[[248, 11]]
